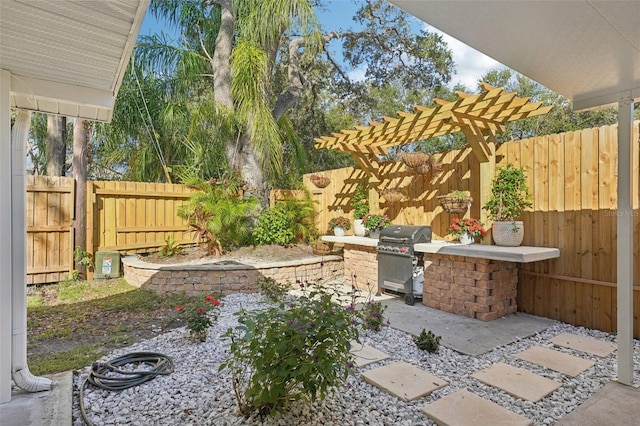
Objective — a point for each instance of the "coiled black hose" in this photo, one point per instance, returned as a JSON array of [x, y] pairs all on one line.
[[120, 380]]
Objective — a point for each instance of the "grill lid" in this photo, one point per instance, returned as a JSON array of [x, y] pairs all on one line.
[[407, 234]]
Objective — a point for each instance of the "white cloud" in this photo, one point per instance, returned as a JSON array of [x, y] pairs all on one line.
[[470, 63]]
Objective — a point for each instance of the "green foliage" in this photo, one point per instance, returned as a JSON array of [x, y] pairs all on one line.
[[289, 221], [341, 222], [360, 202], [295, 350], [376, 221], [218, 214], [199, 315], [171, 247], [272, 289], [509, 194], [427, 341], [83, 257], [372, 315]]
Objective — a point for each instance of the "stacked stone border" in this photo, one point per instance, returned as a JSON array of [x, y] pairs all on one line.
[[226, 277]]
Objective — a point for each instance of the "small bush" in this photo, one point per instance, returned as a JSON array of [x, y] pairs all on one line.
[[171, 247], [297, 349], [198, 316], [272, 289], [427, 341], [372, 315], [290, 221]]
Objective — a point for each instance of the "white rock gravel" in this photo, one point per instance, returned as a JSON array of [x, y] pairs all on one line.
[[197, 394]]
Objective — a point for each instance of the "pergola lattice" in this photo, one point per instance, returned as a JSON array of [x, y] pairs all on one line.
[[479, 117]]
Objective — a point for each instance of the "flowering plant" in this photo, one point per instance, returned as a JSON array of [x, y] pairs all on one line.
[[340, 221], [470, 226], [375, 221], [197, 316]]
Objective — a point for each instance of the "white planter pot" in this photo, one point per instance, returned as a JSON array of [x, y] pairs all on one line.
[[374, 233], [508, 234], [338, 231], [358, 228], [466, 239]]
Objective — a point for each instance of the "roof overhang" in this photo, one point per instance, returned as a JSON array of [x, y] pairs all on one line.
[[68, 57], [585, 50]]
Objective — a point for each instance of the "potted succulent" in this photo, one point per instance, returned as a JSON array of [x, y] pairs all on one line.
[[467, 230], [456, 201], [360, 205], [509, 197], [339, 225], [374, 223]]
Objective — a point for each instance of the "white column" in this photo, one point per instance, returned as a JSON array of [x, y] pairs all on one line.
[[19, 134], [5, 240], [625, 242]]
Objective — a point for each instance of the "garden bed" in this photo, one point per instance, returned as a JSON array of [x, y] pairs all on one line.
[[236, 272]]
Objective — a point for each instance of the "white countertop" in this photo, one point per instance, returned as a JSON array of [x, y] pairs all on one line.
[[521, 254]]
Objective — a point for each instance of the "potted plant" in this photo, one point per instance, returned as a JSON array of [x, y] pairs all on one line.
[[467, 230], [360, 205], [339, 225], [375, 223], [456, 201], [509, 197]]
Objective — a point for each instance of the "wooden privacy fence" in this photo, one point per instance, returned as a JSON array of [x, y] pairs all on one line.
[[573, 179], [130, 217]]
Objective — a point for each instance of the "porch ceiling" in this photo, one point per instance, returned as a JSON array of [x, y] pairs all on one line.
[[586, 50], [68, 57]]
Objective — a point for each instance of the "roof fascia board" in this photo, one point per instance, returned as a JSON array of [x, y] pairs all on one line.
[[607, 100], [143, 5], [61, 92]]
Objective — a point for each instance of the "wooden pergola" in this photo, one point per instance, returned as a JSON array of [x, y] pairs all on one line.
[[479, 117]]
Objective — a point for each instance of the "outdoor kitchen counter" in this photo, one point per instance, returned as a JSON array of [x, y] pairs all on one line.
[[521, 254]]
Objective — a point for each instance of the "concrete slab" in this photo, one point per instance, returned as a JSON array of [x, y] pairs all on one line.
[[584, 344], [47, 408], [468, 336], [614, 404], [366, 354], [463, 408], [554, 360], [517, 381], [403, 380]]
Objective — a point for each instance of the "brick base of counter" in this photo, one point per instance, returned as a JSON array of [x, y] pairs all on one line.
[[224, 279], [476, 288], [361, 264]]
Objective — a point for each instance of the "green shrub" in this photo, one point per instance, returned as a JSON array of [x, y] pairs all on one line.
[[297, 349], [372, 315], [427, 341], [219, 215], [171, 247], [289, 221]]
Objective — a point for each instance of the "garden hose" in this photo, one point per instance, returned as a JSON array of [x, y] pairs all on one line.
[[120, 380]]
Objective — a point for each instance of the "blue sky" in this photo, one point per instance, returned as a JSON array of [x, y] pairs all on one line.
[[470, 63]]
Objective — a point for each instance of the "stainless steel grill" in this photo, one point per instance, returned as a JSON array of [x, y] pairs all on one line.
[[396, 258]]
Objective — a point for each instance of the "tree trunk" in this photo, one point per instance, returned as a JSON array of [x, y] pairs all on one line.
[[81, 129], [56, 144], [243, 158], [221, 60]]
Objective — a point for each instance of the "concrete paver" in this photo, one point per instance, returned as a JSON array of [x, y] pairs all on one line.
[[614, 404], [463, 408], [403, 380], [366, 354], [554, 360], [584, 344], [516, 381]]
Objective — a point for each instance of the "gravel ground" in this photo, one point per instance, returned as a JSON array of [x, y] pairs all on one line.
[[197, 394]]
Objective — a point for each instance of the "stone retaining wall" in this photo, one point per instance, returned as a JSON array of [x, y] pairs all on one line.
[[476, 288], [225, 277]]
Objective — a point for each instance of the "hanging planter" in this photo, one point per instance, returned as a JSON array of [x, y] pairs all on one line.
[[320, 181], [392, 195], [413, 160], [455, 202]]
